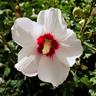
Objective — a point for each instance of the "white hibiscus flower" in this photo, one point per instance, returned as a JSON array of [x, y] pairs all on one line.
[[49, 47]]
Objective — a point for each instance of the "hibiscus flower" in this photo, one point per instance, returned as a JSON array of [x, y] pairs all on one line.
[[49, 48]]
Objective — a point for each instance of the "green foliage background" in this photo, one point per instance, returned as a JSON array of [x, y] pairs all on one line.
[[80, 17]]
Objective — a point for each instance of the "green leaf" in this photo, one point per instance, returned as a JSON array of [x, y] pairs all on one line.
[[14, 83], [2, 90], [6, 72], [1, 12], [85, 80]]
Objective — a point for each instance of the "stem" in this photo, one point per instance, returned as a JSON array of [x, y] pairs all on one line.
[[84, 26], [85, 23], [90, 46], [86, 20]]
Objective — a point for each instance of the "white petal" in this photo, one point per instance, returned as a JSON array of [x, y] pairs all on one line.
[[52, 70], [24, 31], [70, 49], [53, 22], [28, 66], [26, 51], [70, 35]]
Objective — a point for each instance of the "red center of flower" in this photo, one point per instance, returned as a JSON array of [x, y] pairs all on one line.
[[47, 44]]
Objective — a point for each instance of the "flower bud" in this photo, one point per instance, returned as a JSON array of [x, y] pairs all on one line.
[[18, 11], [1, 65], [84, 67], [76, 11], [1, 80], [93, 11], [81, 22], [34, 16], [88, 34]]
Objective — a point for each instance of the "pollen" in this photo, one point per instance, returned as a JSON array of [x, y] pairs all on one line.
[[47, 44]]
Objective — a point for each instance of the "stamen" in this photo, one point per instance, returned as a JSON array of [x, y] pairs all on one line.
[[46, 46]]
